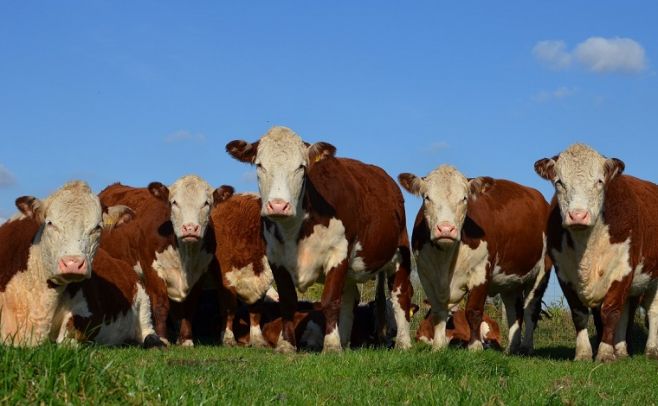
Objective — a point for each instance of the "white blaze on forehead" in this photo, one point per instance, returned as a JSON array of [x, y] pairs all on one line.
[[193, 198], [281, 153], [444, 190]]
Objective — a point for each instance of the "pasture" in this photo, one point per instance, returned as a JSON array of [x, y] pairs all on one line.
[[215, 375]]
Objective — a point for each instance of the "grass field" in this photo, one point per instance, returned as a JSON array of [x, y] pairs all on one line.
[[216, 375]]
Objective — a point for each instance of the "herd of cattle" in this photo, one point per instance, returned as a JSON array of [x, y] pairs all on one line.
[[117, 267]]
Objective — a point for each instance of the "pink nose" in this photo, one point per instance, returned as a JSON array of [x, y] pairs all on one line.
[[579, 217], [278, 207], [191, 230], [73, 265], [446, 230]]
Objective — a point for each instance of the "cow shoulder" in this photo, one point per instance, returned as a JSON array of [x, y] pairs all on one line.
[[15, 240]]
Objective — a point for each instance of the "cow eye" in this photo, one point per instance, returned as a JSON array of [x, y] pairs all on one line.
[[558, 183], [465, 198], [49, 223], [427, 199], [301, 167], [98, 228], [600, 181], [174, 203], [207, 203]]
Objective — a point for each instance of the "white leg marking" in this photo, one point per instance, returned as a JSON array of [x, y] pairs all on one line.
[[256, 338], [440, 340], [346, 319], [583, 346], [284, 347], [651, 304], [514, 335], [403, 339], [332, 342], [621, 351], [606, 353]]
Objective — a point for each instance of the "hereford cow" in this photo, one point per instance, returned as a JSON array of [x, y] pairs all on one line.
[[484, 237], [170, 244], [241, 256], [47, 246], [328, 219], [602, 238], [458, 333]]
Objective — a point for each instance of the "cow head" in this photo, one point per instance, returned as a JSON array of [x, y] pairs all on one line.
[[580, 176], [282, 160], [71, 223], [190, 199], [445, 192]]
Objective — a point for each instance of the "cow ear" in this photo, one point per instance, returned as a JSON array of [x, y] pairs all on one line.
[[222, 193], [411, 183], [28, 205], [243, 151], [545, 168], [613, 167], [319, 151], [480, 186], [114, 216], [159, 191]]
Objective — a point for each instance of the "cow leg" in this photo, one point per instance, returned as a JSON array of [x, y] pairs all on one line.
[[580, 317], [288, 302], [650, 303], [401, 293], [621, 348], [611, 314], [532, 306], [598, 325], [349, 300], [229, 305], [380, 309], [474, 314], [514, 314], [331, 305], [159, 307], [256, 338], [189, 307]]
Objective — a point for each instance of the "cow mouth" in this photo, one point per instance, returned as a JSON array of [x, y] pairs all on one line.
[[578, 227], [190, 238], [279, 216], [445, 241], [65, 279]]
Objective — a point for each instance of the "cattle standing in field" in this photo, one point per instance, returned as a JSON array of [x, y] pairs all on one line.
[[603, 240], [484, 237], [240, 252], [328, 219], [169, 243], [457, 331]]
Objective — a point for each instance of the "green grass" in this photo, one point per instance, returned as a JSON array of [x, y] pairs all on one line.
[[215, 375]]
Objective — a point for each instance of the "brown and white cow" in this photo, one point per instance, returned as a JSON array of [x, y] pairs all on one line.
[[458, 333], [483, 237], [328, 219], [170, 244], [241, 256], [48, 245], [602, 238]]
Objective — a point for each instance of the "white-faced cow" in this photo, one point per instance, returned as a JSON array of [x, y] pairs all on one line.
[[170, 243], [602, 238], [47, 246], [482, 237], [328, 219]]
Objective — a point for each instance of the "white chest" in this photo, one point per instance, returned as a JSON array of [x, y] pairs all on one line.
[[180, 269]]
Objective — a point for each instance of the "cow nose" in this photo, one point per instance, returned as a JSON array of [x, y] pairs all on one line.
[[580, 217], [446, 230], [73, 265], [191, 229], [278, 207]]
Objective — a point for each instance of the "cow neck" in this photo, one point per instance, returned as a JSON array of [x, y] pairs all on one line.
[[579, 239]]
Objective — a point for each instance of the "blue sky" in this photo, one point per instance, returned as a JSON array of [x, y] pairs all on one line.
[[143, 91]]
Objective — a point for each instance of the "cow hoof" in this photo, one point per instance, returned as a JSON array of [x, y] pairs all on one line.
[[284, 347], [606, 353], [651, 352], [229, 340], [331, 349], [187, 343], [583, 356], [153, 341], [257, 342], [525, 350], [476, 346], [402, 345]]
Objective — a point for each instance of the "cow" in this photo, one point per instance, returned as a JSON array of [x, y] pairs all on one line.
[[242, 260], [458, 333], [43, 248], [170, 244], [602, 239], [332, 220], [480, 236]]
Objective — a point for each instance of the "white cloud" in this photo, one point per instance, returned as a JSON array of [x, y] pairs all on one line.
[[557, 94], [596, 54], [6, 177], [553, 54], [184, 135], [611, 55]]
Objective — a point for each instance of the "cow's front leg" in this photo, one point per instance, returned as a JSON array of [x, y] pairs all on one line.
[[514, 314], [401, 293], [439, 320], [188, 309], [256, 338], [650, 303], [611, 314], [580, 318], [621, 347], [334, 286], [157, 292], [288, 304], [228, 307], [474, 314]]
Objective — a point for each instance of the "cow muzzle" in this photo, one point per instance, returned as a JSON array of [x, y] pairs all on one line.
[[578, 219], [278, 208], [190, 232], [72, 268], [445, 232]]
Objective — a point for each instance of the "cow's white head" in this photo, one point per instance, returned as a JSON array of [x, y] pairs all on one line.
[[191, 199], [281, 159], [71, 222], [445, 192], [580, 176]]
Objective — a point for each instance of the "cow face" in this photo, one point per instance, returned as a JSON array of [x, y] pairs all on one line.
[[445, 192], [190, 199], [281, 159], [580, 176], [71, 223]]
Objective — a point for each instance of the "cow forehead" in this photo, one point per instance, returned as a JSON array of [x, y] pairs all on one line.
[[283, 146], [446, 181], [190, 187], [74, 207], [580, 161]]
